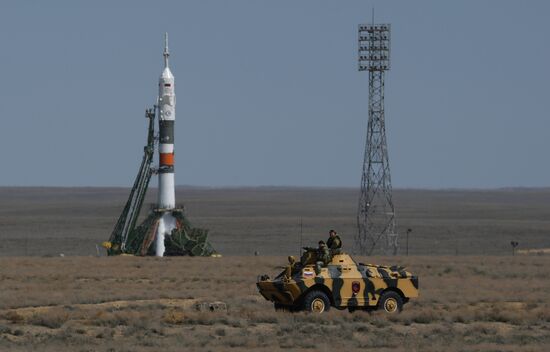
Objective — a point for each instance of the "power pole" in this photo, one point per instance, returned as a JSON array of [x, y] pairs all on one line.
[[376, 214]]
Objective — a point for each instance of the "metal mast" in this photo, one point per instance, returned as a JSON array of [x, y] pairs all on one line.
[[375, 216]]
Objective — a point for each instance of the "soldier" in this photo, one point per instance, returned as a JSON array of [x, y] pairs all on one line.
[[323, 254], [334, 243], [289, 270]]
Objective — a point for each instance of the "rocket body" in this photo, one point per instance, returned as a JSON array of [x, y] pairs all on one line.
[[166, 186], [167, 105]]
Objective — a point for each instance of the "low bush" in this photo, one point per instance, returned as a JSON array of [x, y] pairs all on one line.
[[51, 319]]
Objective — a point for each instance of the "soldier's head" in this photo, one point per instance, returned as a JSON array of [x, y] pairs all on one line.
[[291, 259], [322, 243], [332, 233]]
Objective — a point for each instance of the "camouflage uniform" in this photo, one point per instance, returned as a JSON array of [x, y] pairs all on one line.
[[334, 244], [289, 270], [323, 254]]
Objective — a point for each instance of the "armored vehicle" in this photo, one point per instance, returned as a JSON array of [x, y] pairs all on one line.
[[340, 282]]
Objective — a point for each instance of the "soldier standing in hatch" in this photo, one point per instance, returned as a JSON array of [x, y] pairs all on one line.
[[334, 243], [323, 254], [290, 267]]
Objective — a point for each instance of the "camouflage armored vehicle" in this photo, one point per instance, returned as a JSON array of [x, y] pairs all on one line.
[[315, 286]]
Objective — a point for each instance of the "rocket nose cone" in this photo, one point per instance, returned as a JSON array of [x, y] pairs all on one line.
[[167, 74]]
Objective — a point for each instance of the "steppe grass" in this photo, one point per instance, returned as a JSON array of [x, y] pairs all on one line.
[[146, 304]]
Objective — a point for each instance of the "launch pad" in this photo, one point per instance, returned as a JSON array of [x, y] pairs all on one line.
[[183, 239], [166, 230]]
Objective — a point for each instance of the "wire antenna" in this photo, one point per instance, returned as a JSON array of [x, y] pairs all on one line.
[[301, 235]]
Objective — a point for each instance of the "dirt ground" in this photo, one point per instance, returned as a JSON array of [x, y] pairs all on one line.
[[475, 296], [72, 221], [467, 303]]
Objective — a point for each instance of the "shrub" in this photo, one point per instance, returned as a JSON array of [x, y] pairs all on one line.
[[18, 332], [52, 319], [173, 317], [14, 317], [424, 317]]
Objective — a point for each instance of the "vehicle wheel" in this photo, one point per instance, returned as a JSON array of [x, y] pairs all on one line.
[[316, 302], [391, 302], [281, 307]]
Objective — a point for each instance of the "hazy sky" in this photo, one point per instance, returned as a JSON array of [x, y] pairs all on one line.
[[268, 92]]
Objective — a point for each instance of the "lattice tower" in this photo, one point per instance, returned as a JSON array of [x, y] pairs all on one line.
[[376, 214]]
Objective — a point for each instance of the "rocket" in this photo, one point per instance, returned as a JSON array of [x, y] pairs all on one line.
[[166, 118], [166, 229]]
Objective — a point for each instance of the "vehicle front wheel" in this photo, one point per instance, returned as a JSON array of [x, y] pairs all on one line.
[[391, 302], [316, 302]]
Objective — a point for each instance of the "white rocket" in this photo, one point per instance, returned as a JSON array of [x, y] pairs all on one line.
[[166, 189]]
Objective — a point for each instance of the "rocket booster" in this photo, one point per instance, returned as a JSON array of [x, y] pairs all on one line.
[[167, 114]]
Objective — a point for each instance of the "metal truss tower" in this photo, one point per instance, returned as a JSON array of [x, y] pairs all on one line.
[[375, 216]]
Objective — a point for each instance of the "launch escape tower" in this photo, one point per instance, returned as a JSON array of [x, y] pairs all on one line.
[[375, 215], [166, 230]]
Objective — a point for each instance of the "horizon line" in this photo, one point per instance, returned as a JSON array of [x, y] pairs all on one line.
[[502, 188]]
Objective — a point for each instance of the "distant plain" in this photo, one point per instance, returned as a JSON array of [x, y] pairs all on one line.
[[72, 221]]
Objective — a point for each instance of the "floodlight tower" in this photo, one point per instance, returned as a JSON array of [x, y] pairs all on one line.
[[375, 215]]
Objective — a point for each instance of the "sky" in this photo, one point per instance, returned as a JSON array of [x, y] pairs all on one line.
[[268, 92]]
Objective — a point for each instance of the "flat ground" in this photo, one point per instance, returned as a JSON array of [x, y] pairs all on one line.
[[467, 303], [474, 294], [72, 221]]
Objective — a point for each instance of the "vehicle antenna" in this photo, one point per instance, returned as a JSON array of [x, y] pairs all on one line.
[[301, 235]]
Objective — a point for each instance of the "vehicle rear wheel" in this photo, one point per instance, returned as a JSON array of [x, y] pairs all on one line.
[[391, 302], [281, 307], [316, 302]]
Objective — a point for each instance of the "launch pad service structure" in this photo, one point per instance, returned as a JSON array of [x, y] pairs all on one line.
[[165, 231]]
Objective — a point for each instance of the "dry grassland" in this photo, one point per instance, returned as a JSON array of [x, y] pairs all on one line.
[[50, 221], [467, 303], [473, 301]]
